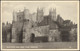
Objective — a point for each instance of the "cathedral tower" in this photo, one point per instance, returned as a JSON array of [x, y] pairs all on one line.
[[40, 14], [52, 14]]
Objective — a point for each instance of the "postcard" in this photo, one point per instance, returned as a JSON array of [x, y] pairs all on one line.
[[40, 25]]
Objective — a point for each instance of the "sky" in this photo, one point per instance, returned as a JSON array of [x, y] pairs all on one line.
[[67, 10]]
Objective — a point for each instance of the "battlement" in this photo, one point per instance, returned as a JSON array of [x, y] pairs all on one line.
[[25, 14], [19, 16]]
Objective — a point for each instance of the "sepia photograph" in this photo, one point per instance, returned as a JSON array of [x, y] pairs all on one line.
[[40, 25]]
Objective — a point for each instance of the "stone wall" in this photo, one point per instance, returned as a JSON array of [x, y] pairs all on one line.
[[37, 31], [16, 30], [54, 35], [27, 31], [41, 31]]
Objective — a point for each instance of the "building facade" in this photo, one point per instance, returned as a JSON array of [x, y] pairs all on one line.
[[24, 29]]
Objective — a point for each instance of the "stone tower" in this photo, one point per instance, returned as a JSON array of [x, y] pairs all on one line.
[[20, 16], [17, 26], [52, 13], [26, 14], [14, 16], [40, 14]]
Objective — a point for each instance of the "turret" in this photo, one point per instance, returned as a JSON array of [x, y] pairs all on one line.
[[26, 14], [14, 16], [52, 14], [40, 14]]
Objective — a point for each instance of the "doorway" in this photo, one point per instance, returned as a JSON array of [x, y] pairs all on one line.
[[32, 37], [65, 36]]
